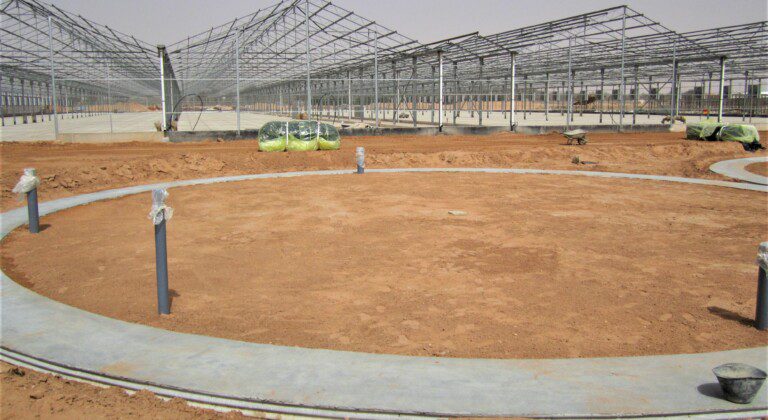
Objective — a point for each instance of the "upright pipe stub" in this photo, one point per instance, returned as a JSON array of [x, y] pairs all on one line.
[[159, 214], [761, 309], [27, 185], [360, 157]]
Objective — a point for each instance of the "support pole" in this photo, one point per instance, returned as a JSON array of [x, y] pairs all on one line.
[[237, 79], [622, 99], [161, 53], [440, 82], [479, 93], [635, 97], [413, 93], [53, 81], [455, 101], [512, 69], [376, 75], [546, 99], [569, 96], [161, 252], [109, 100], [309, 64], [432, 102], [349, 93], [602, 92], [722, 90], [32, 210], [761, 309], [674, 85]]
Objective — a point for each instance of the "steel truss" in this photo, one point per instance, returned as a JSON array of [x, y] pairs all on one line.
[[313, 56]]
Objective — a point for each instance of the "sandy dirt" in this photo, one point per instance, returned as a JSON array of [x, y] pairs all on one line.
[[539, 267], [760, 168], [27, 394], [70, 169]]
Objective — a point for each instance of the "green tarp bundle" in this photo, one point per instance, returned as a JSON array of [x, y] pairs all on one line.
[[329, 138], [710, 131], [278, 136], [693, 130], [272, 136], [742, 133], [302, 135]]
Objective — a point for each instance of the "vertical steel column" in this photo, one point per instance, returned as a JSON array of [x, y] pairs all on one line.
[[512, 69], [569, 94], [651, 99], [432, 102], [479, 93], [675, 91], [237, 79], [309, 65], [53, 79], [440, 82], [109, 99], [413, 92], [349, 93], [637, 94], [525, 97], [602, 92], [456, 92], [622, 100], [722, 90], [161, 54], [746, 96], [376, 75], [396, 98], [24, 107], [546, 98]]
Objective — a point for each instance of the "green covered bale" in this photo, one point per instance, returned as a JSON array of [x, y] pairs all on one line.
[[329, 138], [302, 136], [277, 145], [272, 137], [710, 132], [742, 133]]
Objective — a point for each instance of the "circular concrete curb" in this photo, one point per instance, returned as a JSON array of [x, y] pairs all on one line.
[[54, 337], [735, 169]]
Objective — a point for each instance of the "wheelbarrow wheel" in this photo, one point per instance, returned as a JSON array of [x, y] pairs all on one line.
[[582, 141]]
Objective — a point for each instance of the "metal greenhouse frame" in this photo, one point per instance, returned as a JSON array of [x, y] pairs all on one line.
[[614, 66]]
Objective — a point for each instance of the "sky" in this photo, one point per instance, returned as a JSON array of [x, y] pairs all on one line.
[[169, 21]]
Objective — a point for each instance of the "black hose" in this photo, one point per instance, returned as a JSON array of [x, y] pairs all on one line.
[[173, 112]]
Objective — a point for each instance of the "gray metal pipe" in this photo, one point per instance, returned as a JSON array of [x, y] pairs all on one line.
[[32, 209], [161, 255], [761, 308]]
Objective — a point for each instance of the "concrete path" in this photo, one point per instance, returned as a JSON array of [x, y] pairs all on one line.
[[52, 336], [735, 169]]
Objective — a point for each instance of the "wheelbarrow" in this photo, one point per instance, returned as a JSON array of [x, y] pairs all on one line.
[[579, 136]]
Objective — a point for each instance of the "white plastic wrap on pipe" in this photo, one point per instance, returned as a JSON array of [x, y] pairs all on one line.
[[160, 211], [28, 182], [360, 156], [762, 256]]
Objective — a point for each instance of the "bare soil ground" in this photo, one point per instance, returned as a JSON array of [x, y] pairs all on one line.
[[542, 266], [760, 168], [27, 394], [70, 169]]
